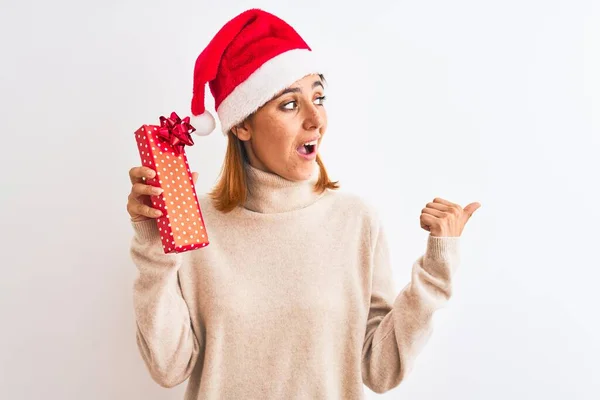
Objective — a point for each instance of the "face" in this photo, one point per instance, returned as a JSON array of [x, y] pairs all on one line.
[[284, 135]]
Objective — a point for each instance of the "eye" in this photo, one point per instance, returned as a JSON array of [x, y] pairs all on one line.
[[321, 99], [285, 106], [292, 105]]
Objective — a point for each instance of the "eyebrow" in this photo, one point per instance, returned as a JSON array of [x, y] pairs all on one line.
[[298, 90]]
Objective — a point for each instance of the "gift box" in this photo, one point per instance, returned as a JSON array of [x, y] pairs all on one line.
[[162, 148]]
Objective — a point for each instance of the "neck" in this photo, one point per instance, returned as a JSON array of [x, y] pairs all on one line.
[[270, 193]]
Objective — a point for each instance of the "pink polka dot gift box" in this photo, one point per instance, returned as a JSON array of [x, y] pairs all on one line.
[[162, 148]]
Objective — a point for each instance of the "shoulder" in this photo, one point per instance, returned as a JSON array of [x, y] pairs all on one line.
[[207, 207], [210, 214], [354, 201], [356, 207], [205, 201]]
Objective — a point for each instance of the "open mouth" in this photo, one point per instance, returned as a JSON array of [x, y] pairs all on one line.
[[308, 148]]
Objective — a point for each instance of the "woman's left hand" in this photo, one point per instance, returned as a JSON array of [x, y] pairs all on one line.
[[444, 218]]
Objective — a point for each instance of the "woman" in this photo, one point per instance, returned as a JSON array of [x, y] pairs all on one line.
[[294, 297]]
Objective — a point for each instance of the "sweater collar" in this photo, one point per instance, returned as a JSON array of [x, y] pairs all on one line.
[[270, 193]]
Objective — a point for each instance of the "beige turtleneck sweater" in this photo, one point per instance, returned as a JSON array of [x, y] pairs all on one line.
[[292, 299]]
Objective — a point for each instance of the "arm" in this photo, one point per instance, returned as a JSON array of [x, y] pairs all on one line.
[[164, 332], [399, 325]]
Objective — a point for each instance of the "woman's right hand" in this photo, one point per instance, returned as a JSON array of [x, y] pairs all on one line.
[[139, 202]]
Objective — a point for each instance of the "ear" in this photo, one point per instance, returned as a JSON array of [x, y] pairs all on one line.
[[243, 131]]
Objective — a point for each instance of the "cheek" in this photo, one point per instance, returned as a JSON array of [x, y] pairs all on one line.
[[275, 141], [324, 115], [276, 135]]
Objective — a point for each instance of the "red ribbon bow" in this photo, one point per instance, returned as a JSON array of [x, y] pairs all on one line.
[[176, 132]]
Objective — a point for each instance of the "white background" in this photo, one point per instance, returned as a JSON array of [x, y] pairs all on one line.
[[489, 101]]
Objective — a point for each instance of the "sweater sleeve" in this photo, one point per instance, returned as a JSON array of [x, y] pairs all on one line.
[[164, 334], [400, 324]]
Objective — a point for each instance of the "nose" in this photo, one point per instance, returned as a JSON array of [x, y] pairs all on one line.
[[314, 119]]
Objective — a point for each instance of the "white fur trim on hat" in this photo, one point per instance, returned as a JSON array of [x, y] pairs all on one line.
[[269, 79]]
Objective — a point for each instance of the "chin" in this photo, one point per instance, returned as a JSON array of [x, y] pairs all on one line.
[[304, 171]]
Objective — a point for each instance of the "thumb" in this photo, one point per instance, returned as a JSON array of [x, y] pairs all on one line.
[[195, 177], [470, 209]]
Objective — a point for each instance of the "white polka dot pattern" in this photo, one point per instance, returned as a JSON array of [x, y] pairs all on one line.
[[181, 226]]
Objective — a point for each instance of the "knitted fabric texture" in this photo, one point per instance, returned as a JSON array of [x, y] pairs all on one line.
[[293, 299]]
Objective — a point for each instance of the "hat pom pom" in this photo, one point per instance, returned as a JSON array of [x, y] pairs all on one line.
[[203, 123]]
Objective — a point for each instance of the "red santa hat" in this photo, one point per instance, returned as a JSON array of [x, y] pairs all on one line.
[[251, 58]]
